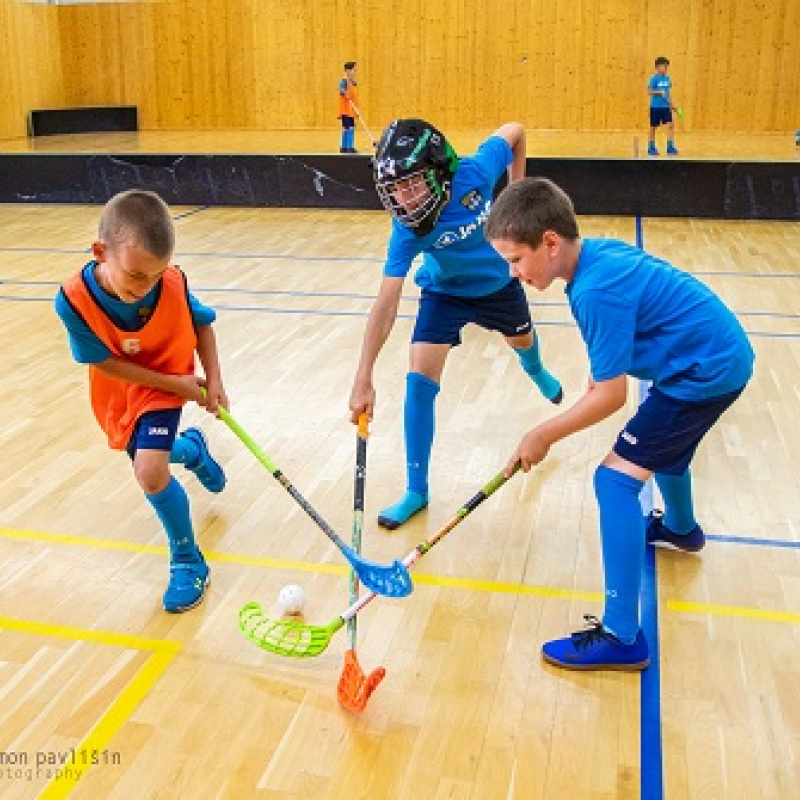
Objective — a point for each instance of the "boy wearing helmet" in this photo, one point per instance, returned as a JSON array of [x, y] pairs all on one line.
[[439, 204]]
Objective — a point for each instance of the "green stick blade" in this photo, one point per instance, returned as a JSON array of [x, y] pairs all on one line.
[[285, 637]]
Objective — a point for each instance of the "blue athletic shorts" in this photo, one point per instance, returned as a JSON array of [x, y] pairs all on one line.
[[155, 430], [442, 316], [660, 116], [348, 122], [664, 433]]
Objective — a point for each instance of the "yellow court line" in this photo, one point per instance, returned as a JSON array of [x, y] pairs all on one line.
[[163, 651], [474, 584], [743, 612], [478, 585]]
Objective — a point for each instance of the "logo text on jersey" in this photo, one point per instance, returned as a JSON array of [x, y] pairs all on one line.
[[450, 237]]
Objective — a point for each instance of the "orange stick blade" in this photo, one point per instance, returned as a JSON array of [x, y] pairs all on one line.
[[355, 688]]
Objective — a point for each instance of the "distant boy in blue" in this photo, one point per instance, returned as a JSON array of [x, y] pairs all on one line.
[[439, 204], [661, 107], [638, 316], [130, 317]]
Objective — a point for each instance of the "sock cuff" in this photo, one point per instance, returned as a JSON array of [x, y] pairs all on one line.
[[166, 494], [421, 384], [604, 476]]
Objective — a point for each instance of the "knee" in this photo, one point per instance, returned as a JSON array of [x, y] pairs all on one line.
[[151, 477]]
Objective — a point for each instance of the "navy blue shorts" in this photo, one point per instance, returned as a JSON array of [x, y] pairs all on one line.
[[155, 430], [442, 316], [664, 433], [348, 122], [660, 116]]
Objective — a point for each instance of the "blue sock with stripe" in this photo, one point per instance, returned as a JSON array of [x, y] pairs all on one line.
[[172, 507], [622, 531], [678, 503]]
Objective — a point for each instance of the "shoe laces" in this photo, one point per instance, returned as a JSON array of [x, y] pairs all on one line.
[[582, 640]]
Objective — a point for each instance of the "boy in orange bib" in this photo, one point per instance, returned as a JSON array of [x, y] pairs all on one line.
[[130, 316]]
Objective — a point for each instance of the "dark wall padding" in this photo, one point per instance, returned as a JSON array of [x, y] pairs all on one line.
[[46, 122], [667, 188]]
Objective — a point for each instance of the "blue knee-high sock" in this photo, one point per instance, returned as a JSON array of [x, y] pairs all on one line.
[[623, 540], [419, 421], [343, 142], [531, 361], [350, 138], [184, 451], [678, 505], [172, 507]]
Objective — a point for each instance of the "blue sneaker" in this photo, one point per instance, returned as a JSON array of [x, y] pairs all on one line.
[[208, 472], [651, 150], [672, 150], [596, 648], [409, 504], [187, 584], [659, 535]]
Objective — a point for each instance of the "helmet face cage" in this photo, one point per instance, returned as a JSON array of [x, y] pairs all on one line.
[[413, 168]]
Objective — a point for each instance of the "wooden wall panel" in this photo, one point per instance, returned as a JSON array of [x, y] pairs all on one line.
[[30, 64], [465, 64]]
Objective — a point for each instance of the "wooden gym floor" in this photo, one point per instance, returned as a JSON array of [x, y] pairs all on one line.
[[546, 143], [184, 706]]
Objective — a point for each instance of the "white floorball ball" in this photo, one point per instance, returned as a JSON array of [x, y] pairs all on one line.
[[291, 599]]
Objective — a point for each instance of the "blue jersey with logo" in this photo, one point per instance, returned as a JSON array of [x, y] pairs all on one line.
[[456, 258], [642, 316], [660, 83], [86, 347]]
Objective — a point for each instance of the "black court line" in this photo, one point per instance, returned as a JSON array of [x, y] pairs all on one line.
[[190, 213]]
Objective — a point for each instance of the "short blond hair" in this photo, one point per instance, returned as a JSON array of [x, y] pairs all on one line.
[[141, 217]]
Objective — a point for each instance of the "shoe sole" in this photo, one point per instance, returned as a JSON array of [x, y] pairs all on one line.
[[662, 545], [196, 603], [636, 666], [393, 525]]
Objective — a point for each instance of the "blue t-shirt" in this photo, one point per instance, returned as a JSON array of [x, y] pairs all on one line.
[[660, 83], [457, 259], [642, 316], [86, 347]]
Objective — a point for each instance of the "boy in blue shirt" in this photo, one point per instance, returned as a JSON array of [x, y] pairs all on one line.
[[130, 317], [438, 205], [661, 107], [642, 317]]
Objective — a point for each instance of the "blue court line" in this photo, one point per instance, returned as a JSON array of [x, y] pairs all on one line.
[[725, 539], [371, 259], [651, 761], [651, 752], [540, 323]]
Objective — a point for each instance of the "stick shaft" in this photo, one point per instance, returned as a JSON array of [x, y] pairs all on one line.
[[359, 489], [251, 445]]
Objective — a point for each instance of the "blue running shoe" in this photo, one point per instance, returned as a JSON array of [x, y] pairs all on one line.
[[187, 584], [402, 511], [208, 471], [659, 535], [672, 150], [651, 150], [596, 648]]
